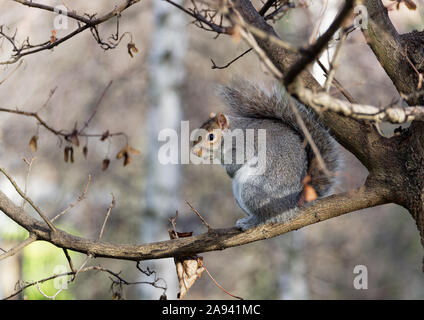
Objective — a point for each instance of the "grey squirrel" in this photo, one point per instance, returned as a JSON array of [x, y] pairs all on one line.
[[268, 190]]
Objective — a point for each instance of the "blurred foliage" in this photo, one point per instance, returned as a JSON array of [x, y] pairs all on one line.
[[41, 260]]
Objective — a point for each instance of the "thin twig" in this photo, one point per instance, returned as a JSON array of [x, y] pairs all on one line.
[[334, 62], [29, 164], [62, 133], [51, 93], [96, 107], [198, 214], [53, 297], [80, 198], [12, 72], [68, 257], [22, 194], [338, 85], [84, 22], [111, 206], [214, 66], [216, 283], [309, 138], [266, 6], [18, 247], [213, 26], [87, 269], [313, 51], [173, 223], [156, 279]]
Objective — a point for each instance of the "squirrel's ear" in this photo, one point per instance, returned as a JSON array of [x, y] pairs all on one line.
[[222, 121]]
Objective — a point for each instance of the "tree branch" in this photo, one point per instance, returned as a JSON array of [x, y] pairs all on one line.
[[389, 49], [89, 23], [216, 239]]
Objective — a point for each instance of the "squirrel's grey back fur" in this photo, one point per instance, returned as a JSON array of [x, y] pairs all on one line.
[[247, 100], [271, 188]]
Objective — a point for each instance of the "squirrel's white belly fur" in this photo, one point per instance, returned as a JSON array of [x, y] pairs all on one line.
[[245, 175]]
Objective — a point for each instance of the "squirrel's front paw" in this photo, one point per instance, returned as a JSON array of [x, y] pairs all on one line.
[[247, 223]]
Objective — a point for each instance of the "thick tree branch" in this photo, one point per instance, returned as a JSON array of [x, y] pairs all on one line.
[[215, 239], [389, 48]]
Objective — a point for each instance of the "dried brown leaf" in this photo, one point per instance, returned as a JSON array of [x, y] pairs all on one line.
[[189, 269]]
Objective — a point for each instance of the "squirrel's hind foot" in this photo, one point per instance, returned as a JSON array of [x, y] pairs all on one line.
[[254, 221], [247, 223]]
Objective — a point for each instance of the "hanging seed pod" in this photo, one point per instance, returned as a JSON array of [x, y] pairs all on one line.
[[121, 152], [85, 151], [74, 139], [66, 154], [131, 49], [125, 153], [105, 164], [71, 152], [33, 143], [127, 159]]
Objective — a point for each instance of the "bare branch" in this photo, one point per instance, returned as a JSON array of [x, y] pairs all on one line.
[[202, 19], [216, 239], [68, 257], [321, 101], [111, 206], [18, 248], [310, 54], [84, 22], [334, 62], [198, 214], [80, 198], [23, 195]]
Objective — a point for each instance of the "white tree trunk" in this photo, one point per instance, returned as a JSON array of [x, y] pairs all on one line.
[[166, 75], [293, 278]]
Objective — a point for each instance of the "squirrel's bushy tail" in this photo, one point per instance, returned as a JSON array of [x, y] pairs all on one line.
[[248, 100]]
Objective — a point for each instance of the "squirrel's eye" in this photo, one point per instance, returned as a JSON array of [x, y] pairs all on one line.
[[211, 136]]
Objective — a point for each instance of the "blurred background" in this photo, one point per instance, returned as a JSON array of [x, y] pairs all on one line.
[[170, 79]]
